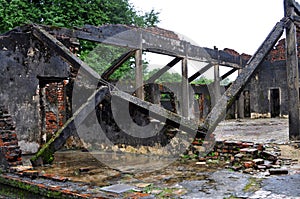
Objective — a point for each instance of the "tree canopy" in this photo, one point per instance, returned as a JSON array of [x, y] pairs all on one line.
[[77, 13], [72, 13]]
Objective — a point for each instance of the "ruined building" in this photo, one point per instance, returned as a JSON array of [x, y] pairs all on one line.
[[40, 69]]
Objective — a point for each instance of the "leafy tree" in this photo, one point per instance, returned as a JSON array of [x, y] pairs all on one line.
[[166, 77], [225, 82], [202, 80], [72, 13], [78, 13]]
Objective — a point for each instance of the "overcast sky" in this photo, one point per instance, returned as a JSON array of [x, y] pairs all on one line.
[[238, 24]]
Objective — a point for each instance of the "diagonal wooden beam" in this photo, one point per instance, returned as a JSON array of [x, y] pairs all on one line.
[[293, 3], [116, 64], [200, 72], [163, 70], [63, 51], [186, 124], [227, 99], [228, 73], [45, 154]]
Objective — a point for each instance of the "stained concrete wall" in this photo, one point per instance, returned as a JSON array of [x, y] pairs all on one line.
[[23, 60], [269, 76]]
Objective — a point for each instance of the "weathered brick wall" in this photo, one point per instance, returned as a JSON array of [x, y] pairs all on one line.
[[278, 52], [55, 107], [10, 153]]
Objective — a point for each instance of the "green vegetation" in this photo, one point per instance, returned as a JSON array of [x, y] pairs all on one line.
[[202, 81], [72, 13], [253, 185], [77, 13], [166, 77]]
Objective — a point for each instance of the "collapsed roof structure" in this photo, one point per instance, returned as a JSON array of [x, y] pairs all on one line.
[[39, 70]]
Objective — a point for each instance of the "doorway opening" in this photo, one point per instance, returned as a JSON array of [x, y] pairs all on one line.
[[247, 112], [275, 102]]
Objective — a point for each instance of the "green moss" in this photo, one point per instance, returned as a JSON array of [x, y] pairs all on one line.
[[32, 188], [46, 154], [253, 185]]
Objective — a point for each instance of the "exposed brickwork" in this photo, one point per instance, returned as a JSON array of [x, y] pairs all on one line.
[[278, 53], [55, 110], [10, 153], [231, 52], [235, 53], [249, 157]]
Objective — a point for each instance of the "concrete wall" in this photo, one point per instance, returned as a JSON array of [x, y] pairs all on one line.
[[23, 60]]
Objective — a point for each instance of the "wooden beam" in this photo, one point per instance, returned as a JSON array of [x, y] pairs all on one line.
[[292, 73], [63, 51], [228, 73], [126, 36], [200, 72], [117, 63], [293, 4], [229, 97], [240, 103], [45, 154], [163, 70], [188, 125], [139, 83], [217, 89], [184, 89]]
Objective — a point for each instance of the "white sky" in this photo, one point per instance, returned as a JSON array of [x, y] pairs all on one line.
[[241, 25], [237, 24]]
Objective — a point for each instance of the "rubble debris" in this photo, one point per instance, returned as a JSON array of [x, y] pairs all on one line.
[[248, 157]]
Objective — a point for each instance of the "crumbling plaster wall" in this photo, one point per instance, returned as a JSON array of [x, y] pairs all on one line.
[[23, 60]]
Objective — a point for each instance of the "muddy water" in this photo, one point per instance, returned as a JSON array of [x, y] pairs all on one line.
[[84, 167]]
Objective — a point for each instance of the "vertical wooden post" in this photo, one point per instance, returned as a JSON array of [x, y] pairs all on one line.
[[240, 106], [185, 89], [139, 74], [292, 73], [217, 89]]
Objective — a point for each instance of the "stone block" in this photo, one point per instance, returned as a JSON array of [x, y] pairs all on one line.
[[278, 171]]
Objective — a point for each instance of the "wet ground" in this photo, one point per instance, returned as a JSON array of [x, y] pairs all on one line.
[[157, 177], [271, 130]]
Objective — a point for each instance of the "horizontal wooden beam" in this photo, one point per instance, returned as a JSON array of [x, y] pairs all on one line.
[[127, 37]]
